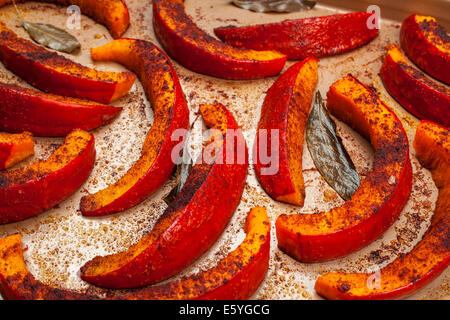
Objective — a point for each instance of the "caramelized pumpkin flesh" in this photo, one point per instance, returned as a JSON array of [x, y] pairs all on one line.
[[166, 97], [29, 191], [417, 93], [196, 50], [427, 44], [302, 38], [192, 222], [17, 283], [15, 148], [49, 115], [237, 276], [51, 72], [381, 196], [285, 111], [111, 13], [429, 258]]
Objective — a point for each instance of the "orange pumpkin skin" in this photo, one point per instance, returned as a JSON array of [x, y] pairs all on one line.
[[413, 90], [285, 109], [155, 165], [235, 277], [29, 191], [431, 255], [381, 196], [53, 73], [200, 52], [302, 38], [191, 223], [112, 13], [426, 44], [49, 115], [15, 148]]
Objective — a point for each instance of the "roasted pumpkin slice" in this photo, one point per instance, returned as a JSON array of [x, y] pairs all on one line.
[[200, 52], [171, 113], [429, 258], [427, 44], [15, 148], [192, 222], [382, 193], [32, 190], [49, 115], [236, 276], [51, 72], [17, 283], [284, 116], [111, 13], [418, 94], [302, 38]]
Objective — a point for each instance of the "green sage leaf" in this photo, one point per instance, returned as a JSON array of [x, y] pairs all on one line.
[[328, 152], [275, 5], [52, 37]]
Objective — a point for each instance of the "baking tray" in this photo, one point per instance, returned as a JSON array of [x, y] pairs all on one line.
[[60, 240]]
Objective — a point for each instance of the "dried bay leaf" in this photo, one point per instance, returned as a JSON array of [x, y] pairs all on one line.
[[52, 37], [275, 5], [49, 35], [328, 152]]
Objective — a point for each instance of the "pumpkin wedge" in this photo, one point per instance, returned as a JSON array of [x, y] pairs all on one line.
[[413, 90], [431, 255], [17, 283], [302, 38], [236, 276], [51, 72], [196, 50], [427, 44], [49, 115], [15, 148], [285, 112], [111, 13], [171, 113], [192, 222], [32, 190], [382, 193]]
